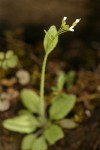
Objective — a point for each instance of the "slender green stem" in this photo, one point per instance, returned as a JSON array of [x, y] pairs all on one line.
[[42, 101]]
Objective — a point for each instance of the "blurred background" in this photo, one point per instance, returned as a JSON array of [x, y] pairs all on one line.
[[22, 24], [26, 19]]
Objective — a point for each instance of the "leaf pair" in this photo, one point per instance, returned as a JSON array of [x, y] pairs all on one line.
[[31, 142], [52, 134], [63, 79], [26, 122]]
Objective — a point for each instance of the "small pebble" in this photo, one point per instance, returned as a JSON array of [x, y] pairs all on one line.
[[4, 105], [23, 77], [98, 88], [88, 113]]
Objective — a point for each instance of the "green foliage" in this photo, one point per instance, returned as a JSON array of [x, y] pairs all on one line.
[[61, 81], [70, 77], [39, 144], [27, 142], [50, 39], [30, 100], [23, 124], [2, 55], [64, 79], [53, 133], [61, 106], [67, 123], [31, 142], [8, 60], [42, 130]]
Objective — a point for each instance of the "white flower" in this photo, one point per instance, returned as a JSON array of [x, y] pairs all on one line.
[[64, 18], [71, 28], [77, 20]]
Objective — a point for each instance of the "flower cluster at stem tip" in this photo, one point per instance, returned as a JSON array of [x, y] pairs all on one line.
[[65, 27]]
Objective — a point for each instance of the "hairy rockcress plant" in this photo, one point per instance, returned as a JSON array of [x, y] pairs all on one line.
[[44, 127]]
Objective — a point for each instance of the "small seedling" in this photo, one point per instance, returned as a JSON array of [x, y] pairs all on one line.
[[8, 59], [70, 78], [62, 80], [44, 127]]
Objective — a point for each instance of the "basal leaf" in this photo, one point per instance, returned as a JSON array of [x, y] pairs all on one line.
[[23, 124], [39, 144], [27, 142], [53, 133], [61, 106], [50, 39], [67, 123], [31, 100]]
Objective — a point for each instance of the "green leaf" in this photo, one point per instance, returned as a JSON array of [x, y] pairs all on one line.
[[27, 142], [67, 123], [53, 133], [4, 104], [9, 54], [61, 106], [4, 64], [31, 100], [2, 55], [39, 144], [70, 77], [50, 39], [60, 81], [23, 124], [12, 61]]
